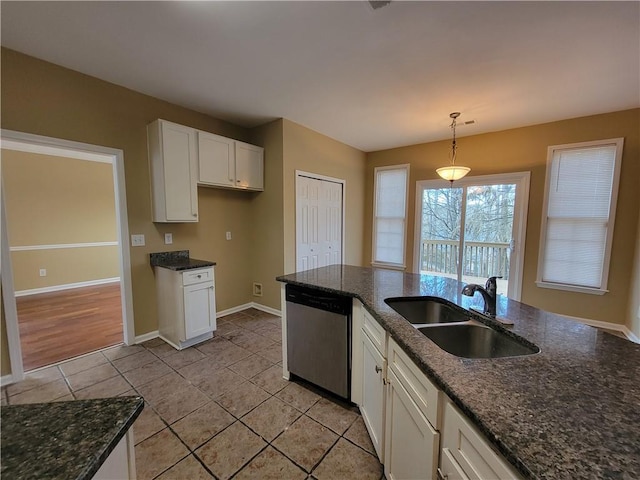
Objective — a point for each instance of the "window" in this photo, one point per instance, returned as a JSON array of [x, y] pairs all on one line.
[[579, 210], [389, 216], [473, 229]]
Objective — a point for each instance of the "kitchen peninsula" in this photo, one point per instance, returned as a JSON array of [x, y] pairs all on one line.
[[570, 411], [80, 439]]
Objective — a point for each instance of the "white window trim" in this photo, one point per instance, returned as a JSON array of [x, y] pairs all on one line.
[[374, 263], [619, 143], [522, 180]]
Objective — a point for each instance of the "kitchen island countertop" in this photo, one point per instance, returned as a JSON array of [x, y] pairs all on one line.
[[571, 411], [63, 440]]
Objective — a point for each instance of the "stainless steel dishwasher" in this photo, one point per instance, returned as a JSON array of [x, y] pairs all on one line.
[[319, 338]]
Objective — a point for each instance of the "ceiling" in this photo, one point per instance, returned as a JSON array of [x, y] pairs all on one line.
[[373, 79]]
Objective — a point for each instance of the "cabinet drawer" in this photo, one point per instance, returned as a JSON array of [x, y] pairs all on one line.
[[196, 276], [469, 451], [419, 387], [376, 333]]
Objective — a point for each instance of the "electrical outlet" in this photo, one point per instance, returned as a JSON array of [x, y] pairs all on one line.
[[43, 272], [257, 289], [137, 240], [168, 238], [228, 235]]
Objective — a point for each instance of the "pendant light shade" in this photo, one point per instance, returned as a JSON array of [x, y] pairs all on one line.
[[452, 171]]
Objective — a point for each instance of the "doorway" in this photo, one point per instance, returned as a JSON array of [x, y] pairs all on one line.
[[319, 221], [473, 229], [115, 290]]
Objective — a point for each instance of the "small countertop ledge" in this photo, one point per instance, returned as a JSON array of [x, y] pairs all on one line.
[[177, 260], [63, 440]]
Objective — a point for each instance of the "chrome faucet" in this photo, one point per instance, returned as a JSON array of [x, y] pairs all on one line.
[[488, 293]]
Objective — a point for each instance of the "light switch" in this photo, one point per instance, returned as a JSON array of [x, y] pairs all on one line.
[[168, 238], [137, 240], [43, 272], [228, 235]]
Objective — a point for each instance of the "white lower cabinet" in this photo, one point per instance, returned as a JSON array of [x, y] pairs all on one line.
[[121, 462], [186, 305], [412, 439], [416, 430], [412, 444], [372, 404], [465, 452]]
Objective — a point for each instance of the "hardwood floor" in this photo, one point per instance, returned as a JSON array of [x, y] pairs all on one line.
[[60, 325]]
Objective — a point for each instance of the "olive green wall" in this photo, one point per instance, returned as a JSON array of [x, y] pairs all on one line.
[[45, 99], [634, 302], [52, 200], [525, 149], [266, 251], [313, 152]]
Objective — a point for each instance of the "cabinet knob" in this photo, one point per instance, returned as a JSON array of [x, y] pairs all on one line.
[[199, 276], [378, 369], [195, 214]]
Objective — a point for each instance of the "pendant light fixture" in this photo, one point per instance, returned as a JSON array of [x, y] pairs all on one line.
[[453, 172]]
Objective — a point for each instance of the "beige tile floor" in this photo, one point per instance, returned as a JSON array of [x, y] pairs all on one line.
[[218, 410]]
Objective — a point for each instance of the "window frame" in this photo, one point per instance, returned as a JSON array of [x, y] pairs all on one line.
[[606, 261], [522, 180], [378, 263]]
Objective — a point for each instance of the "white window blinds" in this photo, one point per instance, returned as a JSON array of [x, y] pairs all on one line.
[[390, 215], [578, 225]]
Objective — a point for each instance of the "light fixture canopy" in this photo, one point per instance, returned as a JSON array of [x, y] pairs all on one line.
[[453, 172]]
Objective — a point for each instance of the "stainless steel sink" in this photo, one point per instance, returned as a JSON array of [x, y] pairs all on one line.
[[476, 341], [427, 310]]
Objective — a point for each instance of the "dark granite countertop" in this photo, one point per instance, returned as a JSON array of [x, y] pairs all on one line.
[[177, 260], [571, 411], [63, 440]]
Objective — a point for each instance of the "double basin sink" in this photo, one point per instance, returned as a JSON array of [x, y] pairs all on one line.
[[452, 329]]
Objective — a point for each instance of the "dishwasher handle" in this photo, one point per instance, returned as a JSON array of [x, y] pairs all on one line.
[[319, 299]]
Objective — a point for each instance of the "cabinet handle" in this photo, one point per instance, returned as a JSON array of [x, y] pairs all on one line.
[[378, 369], [211, 287], [441, 475]]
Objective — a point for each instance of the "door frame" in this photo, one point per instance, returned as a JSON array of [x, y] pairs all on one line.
[[28, 142], [521, 208], [317, 176]]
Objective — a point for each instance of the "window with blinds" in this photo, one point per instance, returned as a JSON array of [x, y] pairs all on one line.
[[390, 212], [577, 227]]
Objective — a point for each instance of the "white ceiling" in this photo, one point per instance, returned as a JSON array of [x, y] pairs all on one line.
[[372, 79]]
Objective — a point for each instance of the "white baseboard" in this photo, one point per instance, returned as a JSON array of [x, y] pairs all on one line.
[[247, 306], [66, 286], [616, 327], [155, 334], [147, 336], [231, 310], [266, 309], [6, 380]]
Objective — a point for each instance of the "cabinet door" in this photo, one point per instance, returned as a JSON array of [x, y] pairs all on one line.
[[173, 157], [465, 450], [249, 166], [411, 443], [199, 309], [216, 160], [373, 393]]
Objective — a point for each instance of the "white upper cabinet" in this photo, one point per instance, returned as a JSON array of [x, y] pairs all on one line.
[[249, 166], [173, 168], [216, 160], [228, 163]]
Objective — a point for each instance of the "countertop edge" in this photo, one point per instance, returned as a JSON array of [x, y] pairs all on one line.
[[102, 456]]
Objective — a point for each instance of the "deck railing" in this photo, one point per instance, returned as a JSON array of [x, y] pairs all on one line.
[[481, 259]]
